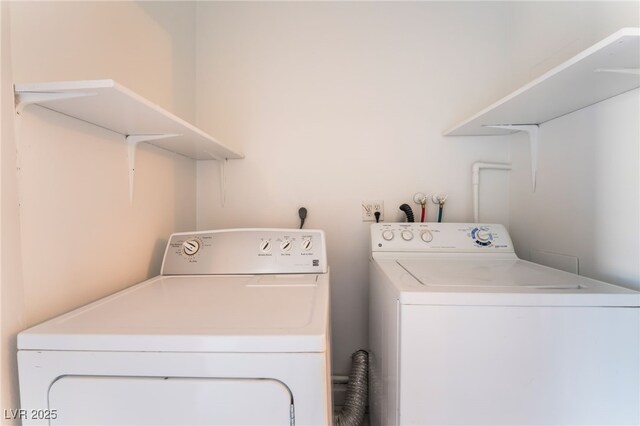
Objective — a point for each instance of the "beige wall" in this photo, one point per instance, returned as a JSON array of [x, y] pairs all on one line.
[[80, 239], [11, 300], [146, 46]]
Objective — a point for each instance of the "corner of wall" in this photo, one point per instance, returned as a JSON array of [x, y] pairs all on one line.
[[11, 299]]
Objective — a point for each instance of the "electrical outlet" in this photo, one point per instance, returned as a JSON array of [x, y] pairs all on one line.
[[369, 208]]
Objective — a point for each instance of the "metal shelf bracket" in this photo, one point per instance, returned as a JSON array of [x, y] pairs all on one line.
[[25, 99], [532, 131], [632, 71], [222, 164], [132, 144]]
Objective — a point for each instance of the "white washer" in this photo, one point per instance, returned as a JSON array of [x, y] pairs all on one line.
[[464, 332], [234, 331]]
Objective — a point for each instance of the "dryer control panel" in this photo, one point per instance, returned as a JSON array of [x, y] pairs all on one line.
[[245, 251], [440, 237]]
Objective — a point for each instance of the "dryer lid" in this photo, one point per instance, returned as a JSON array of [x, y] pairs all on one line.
[[266, 313]]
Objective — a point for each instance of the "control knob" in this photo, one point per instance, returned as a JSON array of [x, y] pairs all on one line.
[[265, 246], [426, 236], [406, 235], [387, 235], [307, 244], [190, 247], [285, 245], [483, 236]]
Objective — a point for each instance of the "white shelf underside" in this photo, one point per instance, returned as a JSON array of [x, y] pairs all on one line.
[[109, 105]]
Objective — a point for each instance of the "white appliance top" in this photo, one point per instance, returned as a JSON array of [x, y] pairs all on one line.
[[260, 313], [286, 311], [470, 264]]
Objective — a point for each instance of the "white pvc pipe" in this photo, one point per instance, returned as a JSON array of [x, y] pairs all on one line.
[[475, 182]]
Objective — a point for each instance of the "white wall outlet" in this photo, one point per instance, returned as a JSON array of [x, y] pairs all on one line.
[[369, 208]]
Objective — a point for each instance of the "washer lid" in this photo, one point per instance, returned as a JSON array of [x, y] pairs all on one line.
[[267, 313], [500, 282]]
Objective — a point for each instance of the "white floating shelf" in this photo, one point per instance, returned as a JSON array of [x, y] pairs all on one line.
[[107, 104], [606, 69], [111, 106]]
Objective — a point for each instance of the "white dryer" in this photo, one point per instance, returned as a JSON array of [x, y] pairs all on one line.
[[463, 332], [235, 331]]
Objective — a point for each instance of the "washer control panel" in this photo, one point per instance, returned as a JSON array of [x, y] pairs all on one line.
[[245, 251], [440, 237]]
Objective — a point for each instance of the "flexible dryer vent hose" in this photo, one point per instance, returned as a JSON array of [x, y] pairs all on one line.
[[355, 403]]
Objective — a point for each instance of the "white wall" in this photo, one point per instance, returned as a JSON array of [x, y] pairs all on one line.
[[80, 238], [587, 201], [545, 34], [336, 103]]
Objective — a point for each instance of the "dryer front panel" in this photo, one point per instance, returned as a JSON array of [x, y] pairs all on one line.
[[96, 400]]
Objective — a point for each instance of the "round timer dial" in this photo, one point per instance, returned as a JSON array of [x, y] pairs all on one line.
[[190, 247], [482, 236]]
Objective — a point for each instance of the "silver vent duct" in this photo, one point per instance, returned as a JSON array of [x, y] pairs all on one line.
[[355, 404]]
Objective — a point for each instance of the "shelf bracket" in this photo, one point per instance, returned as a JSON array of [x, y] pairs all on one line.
[[222, 162], [24, 99], [632, 71], [132, 144], [532, 131]]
